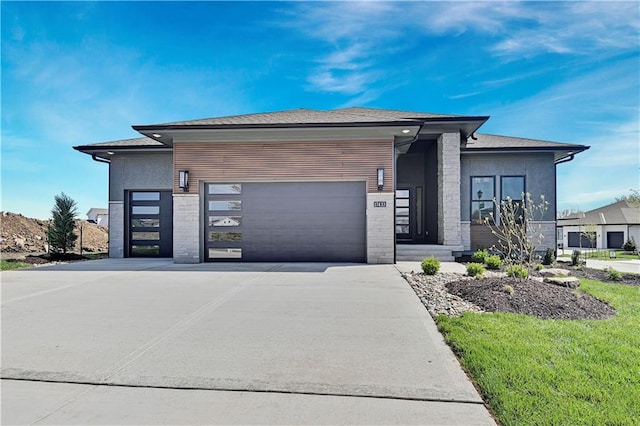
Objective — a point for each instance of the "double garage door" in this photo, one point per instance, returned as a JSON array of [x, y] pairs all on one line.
[[285, 221]]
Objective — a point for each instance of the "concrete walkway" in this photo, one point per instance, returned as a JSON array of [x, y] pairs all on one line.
[[150, 342]]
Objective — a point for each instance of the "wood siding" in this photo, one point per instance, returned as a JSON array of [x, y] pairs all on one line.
[[284, 161]]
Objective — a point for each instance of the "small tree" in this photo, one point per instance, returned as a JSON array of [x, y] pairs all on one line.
[[60, 230], [519, 231]]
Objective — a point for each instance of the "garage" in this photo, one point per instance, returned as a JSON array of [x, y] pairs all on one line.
[[285, 221], [615, 240], [579, 239]]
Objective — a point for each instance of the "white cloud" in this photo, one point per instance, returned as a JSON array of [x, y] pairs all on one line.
[[362, 36]]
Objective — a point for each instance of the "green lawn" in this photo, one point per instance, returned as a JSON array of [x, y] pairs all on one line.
[[555, 372], [604, 255], [7, 266]]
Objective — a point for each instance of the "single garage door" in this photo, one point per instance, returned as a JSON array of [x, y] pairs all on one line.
[[286, 221], [579, 239], [615, 240]]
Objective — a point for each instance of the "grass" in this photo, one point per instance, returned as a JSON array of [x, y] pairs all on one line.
[[551, 372], [604, 255], [6, 265]]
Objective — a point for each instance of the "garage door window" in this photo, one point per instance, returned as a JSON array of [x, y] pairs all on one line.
[[229, 221], [227, 188], [225, 205]]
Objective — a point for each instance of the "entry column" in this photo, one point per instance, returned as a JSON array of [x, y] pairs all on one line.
[[449, 189]]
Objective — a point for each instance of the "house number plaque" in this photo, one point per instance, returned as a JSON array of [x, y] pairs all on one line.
[[379, 204]]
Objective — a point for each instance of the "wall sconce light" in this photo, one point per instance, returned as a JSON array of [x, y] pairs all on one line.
[[479, 195], [380, 178], [183, 180]]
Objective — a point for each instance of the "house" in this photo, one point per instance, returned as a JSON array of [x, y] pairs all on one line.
[[98, 216], [351, 184], [607, 227]]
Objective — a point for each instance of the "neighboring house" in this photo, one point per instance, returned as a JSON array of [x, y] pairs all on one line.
[[352, 184], [610, 227], [98, 216]]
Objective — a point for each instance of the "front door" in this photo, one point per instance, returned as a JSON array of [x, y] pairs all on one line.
[[150, 230], [409, 214]]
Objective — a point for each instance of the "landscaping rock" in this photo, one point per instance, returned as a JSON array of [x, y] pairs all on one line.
[[571, 282], [554, 271]]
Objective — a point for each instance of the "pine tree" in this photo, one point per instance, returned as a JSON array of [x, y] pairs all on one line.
[[60, 231]]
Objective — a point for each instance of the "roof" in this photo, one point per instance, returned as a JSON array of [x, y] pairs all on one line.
[[124, 143], [304, 116], [492, 143], [343, 117], [485, 141], [619, 213], [97, 211]]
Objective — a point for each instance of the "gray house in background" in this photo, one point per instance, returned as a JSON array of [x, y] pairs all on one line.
[[352, 184], [612, 224]]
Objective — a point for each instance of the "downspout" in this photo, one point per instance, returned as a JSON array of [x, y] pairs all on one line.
[[99, 160], [566, 160]]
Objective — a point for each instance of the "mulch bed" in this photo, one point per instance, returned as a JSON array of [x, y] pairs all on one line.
[[530, 297], [600, 275]]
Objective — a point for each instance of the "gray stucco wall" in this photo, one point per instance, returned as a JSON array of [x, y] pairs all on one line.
[[139, 171], [538, 168]]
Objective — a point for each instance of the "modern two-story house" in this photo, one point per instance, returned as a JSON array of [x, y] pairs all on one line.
[[352, 185]]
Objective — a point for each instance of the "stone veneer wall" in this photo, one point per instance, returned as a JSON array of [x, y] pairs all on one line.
[[548, 229], [465, 231], [186, 228], [116, 229], [380, 228], [448, 147]]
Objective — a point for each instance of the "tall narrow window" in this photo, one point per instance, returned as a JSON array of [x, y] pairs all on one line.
[[512, 191], [482, 194]]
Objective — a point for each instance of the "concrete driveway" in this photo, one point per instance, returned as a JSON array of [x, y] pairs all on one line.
[[150, 342]]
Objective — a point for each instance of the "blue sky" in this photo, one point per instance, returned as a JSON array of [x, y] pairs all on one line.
[[81, 72]]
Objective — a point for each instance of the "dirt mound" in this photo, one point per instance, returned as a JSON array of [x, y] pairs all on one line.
[[19, 234], [530, 297]]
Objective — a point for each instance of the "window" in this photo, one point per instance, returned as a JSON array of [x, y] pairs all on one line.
[[225, 220], [145, 196], [145, 210], [225, 205], [223, 188], [482, 194], [512, 190], [225, 236]]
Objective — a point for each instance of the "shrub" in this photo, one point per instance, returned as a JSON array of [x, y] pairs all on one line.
[[493, 262], [539, 267], [549, 257], [629, 245], [480, 256], [613, 275], [430, 265], [60, 231], [475, 270], [575, 257], [517, 271]]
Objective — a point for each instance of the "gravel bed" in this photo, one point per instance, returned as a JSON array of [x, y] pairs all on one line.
[[434, 295]]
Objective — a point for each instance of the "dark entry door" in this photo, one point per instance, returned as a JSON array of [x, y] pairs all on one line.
[[409, 214], [150, 232]]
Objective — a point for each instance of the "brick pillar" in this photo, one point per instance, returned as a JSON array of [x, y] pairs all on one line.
[[116, 229], [449, 189], [380, 227], [186, 228]]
